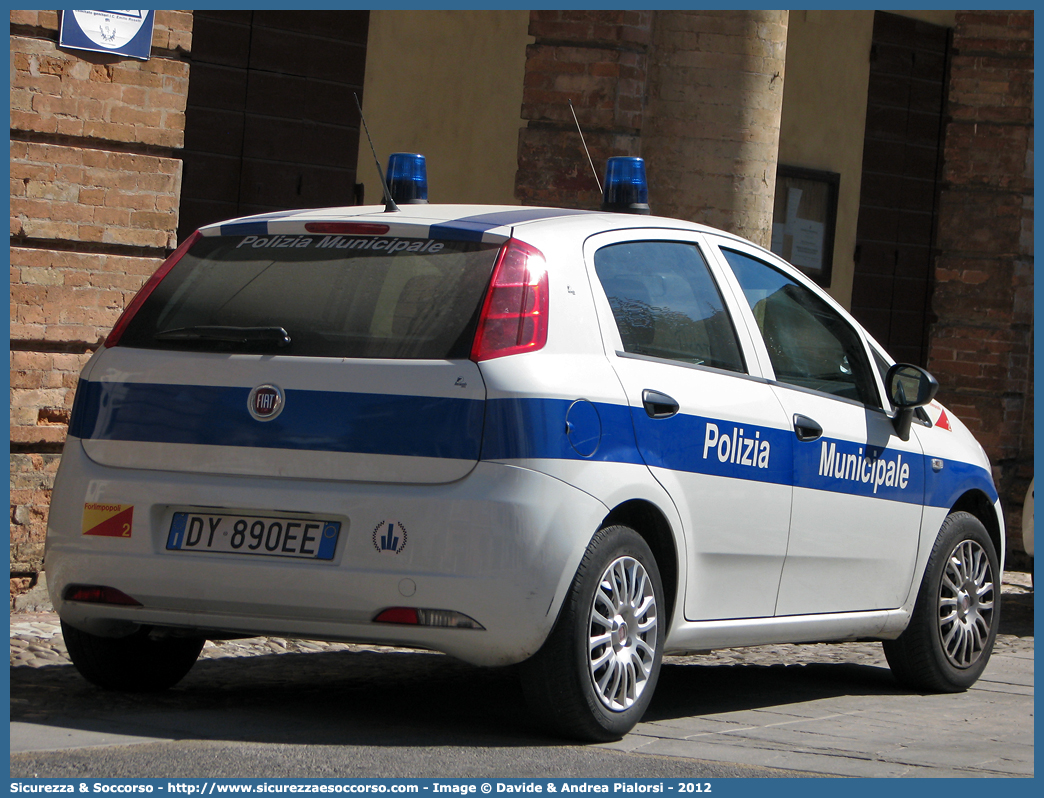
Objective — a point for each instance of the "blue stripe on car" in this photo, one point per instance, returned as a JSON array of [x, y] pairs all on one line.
[[455, 232], [516, 216], [955, 479], [415, 426], [515, 429], [680, 443], [245, 229], [535, 429], [471, 228]]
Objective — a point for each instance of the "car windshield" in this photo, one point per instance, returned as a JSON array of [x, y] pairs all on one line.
[[303, 296]]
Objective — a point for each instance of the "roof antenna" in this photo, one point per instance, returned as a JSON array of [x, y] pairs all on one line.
[[578, 130], [389, 203]]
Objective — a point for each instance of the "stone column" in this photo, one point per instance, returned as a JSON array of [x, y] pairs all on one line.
[[711, 130]]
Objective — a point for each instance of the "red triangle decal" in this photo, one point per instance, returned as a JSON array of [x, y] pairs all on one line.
[[943, 422]]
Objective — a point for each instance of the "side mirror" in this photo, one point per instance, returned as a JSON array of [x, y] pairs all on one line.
[[908, 387]]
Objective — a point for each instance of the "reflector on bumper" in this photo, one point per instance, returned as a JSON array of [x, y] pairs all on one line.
[[416, 616]]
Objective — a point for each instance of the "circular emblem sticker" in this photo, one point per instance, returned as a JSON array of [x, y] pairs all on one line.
[[389, 537], [110, 29], [266, 402]]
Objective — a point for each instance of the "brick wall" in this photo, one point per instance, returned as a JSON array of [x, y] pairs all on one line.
[[69, 193], [982, 343], [95, 185], [598, 61], [698, 94]]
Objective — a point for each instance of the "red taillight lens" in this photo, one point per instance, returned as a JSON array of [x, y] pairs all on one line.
[[96, 594], [407, 615], [150, 285], [514, 315]]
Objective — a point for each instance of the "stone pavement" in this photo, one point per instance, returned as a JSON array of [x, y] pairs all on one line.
[[824, 709]]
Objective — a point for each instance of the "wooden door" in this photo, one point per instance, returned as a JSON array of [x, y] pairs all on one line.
[[902, 152], [271, 122]]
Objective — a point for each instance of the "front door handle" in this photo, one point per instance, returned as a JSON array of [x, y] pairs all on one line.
[[806, 428], [658, 405]]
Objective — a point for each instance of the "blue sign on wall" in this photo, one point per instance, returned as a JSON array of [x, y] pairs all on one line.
[[127, 33]]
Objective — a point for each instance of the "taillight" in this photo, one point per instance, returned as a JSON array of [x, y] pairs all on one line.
[[150, 285], [514, 315]]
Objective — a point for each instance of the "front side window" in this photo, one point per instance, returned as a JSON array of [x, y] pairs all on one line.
[[666, 303], [809, 343]]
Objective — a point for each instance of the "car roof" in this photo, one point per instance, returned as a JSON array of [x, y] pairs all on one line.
[[460, 222]]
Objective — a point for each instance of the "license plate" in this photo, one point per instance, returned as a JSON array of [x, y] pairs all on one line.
[[270, 536]]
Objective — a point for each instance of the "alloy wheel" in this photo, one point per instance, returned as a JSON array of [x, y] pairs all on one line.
[[966, 604], [623, 631]]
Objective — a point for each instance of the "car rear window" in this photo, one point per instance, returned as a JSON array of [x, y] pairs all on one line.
[[334, 297]]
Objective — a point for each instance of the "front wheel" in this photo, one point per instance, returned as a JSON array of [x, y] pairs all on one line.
[[954, 623], [594, 676], [137, 663]]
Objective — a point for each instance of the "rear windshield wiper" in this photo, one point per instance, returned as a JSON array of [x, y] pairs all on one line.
[[238, 335]]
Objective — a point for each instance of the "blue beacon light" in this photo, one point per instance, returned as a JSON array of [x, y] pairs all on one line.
[[626, 189], [407, 178]]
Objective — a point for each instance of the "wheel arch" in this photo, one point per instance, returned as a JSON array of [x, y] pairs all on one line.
[[647, 520], [977, 503]]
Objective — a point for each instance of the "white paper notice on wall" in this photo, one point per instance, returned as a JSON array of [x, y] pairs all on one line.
[[807, 250], [793, 201], [127, 33], [777, 238]]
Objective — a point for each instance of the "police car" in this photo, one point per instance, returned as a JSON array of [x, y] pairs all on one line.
[[575, 440]]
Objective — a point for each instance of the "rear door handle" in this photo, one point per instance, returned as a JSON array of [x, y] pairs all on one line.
[[806, 428], [658, 405]]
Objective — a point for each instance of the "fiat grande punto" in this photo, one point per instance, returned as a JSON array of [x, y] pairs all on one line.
[[572, 440]]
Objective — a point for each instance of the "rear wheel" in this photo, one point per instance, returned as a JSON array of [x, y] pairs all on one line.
[[954, 624], [137, 663], [594, 677]]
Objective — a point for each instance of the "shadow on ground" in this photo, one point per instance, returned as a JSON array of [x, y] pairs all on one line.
[[344, 698], [1017, 614], [404, 698]]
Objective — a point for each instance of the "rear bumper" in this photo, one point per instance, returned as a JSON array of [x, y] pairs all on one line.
[[500, 546]]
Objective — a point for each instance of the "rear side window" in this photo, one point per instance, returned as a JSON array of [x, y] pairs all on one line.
[[334, 296], [666, 303]]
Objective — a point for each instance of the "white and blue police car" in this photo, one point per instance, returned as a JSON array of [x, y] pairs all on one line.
[[574, 440]]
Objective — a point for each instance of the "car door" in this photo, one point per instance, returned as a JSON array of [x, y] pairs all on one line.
[[711, 432], [858, 488]]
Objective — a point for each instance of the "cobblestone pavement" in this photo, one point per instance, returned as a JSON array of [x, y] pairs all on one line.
[[36, 640], [825, 709]]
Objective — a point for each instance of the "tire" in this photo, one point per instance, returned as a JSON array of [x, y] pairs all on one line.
[[954, 623], [594, 677], [134, 664]]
